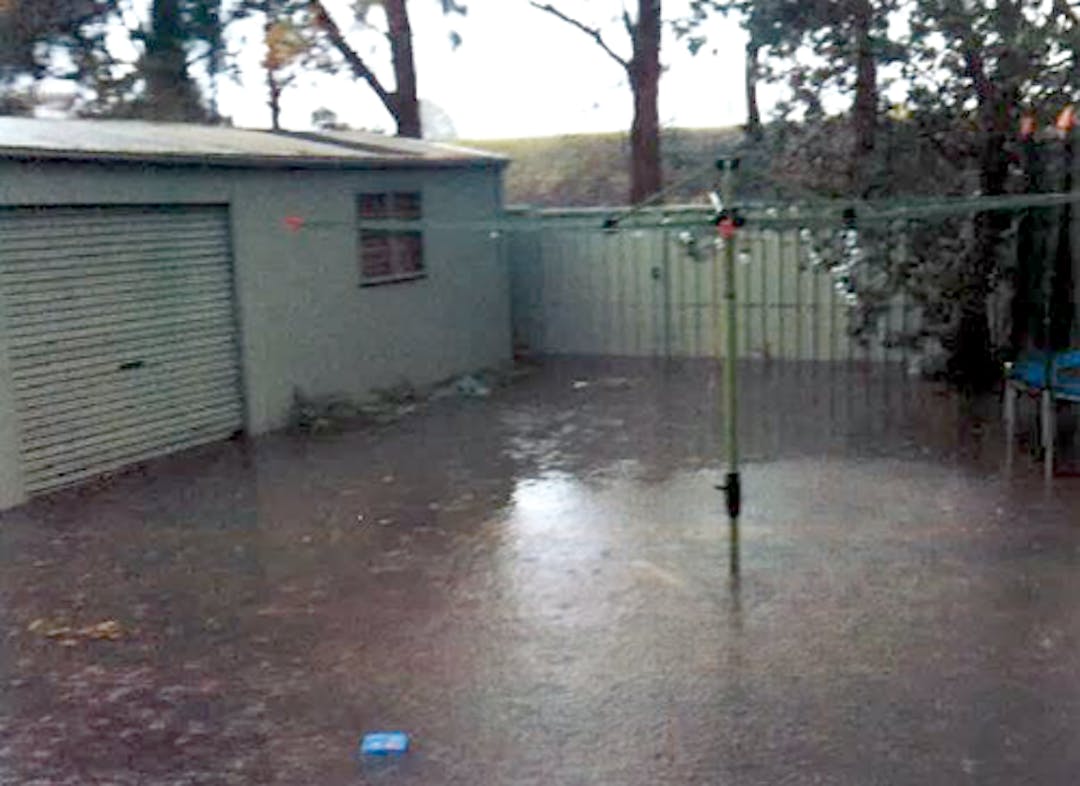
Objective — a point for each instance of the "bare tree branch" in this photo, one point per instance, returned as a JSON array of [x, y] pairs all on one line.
[[360, 69], [1067, 10], [592, 32]]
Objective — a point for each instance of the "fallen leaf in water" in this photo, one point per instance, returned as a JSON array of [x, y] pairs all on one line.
[[68, 636], [109, 630]]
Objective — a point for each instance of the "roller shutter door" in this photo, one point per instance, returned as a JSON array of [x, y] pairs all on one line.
[[121, 335]]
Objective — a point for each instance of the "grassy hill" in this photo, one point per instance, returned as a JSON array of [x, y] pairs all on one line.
[[594, 169]]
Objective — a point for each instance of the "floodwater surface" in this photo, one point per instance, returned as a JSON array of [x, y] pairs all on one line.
[[535, 586]]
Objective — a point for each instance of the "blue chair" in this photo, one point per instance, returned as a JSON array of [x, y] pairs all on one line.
[[1051, 376]]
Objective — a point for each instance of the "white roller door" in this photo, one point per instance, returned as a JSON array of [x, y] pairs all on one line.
[[121, 335]]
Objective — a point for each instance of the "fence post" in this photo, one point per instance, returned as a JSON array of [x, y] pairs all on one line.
[[666, 287]]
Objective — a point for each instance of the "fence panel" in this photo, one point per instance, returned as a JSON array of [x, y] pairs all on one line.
[[578, 289]]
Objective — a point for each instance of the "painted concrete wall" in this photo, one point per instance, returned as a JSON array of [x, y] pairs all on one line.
[[305, 322]]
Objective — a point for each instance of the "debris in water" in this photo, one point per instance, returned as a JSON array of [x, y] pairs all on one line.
[[384, 743], [68, 636], [109, 630], [472, 387], [604, 383]]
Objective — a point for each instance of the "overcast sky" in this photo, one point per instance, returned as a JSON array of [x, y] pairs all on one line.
[[518, 72]]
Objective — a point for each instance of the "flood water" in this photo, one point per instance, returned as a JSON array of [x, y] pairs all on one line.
[[535, 586]]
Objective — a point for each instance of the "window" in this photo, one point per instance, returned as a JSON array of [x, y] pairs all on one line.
[[395, 253]]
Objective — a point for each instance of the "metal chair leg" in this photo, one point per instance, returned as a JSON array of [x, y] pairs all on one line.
[[1011, 394], [1049, 432], [1010, 408]]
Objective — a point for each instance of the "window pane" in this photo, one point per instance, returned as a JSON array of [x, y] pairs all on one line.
[[376, 254], [406, 206], [410, 252], [374, 205]]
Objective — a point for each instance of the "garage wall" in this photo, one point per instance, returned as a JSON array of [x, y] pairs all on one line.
[[309, 324], [305, 321]]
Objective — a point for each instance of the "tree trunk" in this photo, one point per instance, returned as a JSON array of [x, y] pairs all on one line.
[[645, 172], [753, 112], [275, 99], [171, 94], [866, 95], [972, 362], [972, 357], [406, 108], [1062, 300], [1026, 309]]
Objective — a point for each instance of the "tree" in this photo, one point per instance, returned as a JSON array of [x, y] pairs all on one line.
[[286, 45], [818, 48], [643, 72], [970, 69], [327, 120], [402, 102], [754, 22], [988, 64], [157, 86], [170, 92], [31, 31]]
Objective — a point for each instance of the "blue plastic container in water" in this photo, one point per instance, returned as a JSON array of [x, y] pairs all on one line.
[[384, 743]]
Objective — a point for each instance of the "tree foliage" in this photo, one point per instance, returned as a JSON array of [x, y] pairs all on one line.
[[69, 39], [966, 72]]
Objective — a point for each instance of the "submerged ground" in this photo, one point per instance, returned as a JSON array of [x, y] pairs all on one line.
[[535, 586]]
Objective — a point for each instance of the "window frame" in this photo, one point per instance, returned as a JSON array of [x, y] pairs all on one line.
[[400, 218]]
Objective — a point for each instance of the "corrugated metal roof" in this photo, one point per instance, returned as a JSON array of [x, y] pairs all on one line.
[[378, 143], [178, 143]]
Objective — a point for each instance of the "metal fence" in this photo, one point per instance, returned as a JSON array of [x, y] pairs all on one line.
[[579, 289]]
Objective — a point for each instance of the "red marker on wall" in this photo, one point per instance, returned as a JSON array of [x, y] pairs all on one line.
[[293, 223]]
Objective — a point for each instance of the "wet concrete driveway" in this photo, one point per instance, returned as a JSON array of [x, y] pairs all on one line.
[[535, 587]]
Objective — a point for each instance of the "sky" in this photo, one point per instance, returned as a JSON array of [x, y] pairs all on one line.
[[518, 72]]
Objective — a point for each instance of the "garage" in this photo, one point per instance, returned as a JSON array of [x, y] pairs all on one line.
[[165, 286], [121, 333]]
